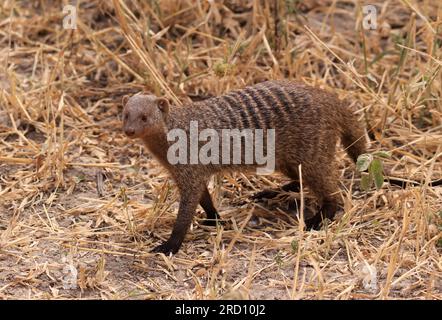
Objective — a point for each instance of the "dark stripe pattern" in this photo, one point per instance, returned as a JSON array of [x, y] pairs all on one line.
[[248, 106], [262, 108], [245, 123], [231, 114], [271, 101], [285, 99]]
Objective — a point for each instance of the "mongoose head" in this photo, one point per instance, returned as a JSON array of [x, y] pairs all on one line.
[[144, 115]]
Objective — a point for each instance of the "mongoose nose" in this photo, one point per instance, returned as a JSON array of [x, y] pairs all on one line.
[[129, 132]]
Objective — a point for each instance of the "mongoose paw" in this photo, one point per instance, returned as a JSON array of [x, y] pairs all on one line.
[[213, 222], [166, 248], [265, 194], [314, 223]]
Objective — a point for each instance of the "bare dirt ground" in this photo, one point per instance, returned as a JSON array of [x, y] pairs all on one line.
[[81, 206]]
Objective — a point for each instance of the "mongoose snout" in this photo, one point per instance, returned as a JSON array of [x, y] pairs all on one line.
[[307, 123], [130, 132]]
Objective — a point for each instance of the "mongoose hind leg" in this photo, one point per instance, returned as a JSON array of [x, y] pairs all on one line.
[[212, 215], [190, 197], [270, 194], [325, 186]]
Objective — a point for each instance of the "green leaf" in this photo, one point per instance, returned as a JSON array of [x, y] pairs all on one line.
[[382, 154], [376, 171], [366, 181], [364, 161]]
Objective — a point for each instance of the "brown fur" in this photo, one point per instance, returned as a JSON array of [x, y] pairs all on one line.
[[308, 123]]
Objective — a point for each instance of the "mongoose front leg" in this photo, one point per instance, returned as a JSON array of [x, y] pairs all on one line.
[[212, 214], [190, 197]]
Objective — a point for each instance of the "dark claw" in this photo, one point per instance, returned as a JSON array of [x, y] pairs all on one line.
[[166, 248], [213, 222]]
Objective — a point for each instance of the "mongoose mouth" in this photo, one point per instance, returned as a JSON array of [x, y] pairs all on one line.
[[129, 132], [134, 134]]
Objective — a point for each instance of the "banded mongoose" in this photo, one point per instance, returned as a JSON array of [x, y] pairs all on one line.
[[307, 121]]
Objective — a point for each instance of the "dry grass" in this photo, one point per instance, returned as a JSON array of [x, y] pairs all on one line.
[[81, 206]]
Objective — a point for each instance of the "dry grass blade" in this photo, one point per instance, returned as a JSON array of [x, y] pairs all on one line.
[[135, 43]]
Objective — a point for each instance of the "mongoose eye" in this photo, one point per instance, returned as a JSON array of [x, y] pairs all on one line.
[[143, 118], [125, 116]]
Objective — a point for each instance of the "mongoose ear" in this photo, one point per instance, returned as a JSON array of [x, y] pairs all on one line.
[[163, 104], [124, 100]]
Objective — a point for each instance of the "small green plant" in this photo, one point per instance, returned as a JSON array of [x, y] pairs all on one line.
[[222, 68], [125, 199], [291, 6], [294, 245], [371, 168], [79, 178], [278, 259]]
